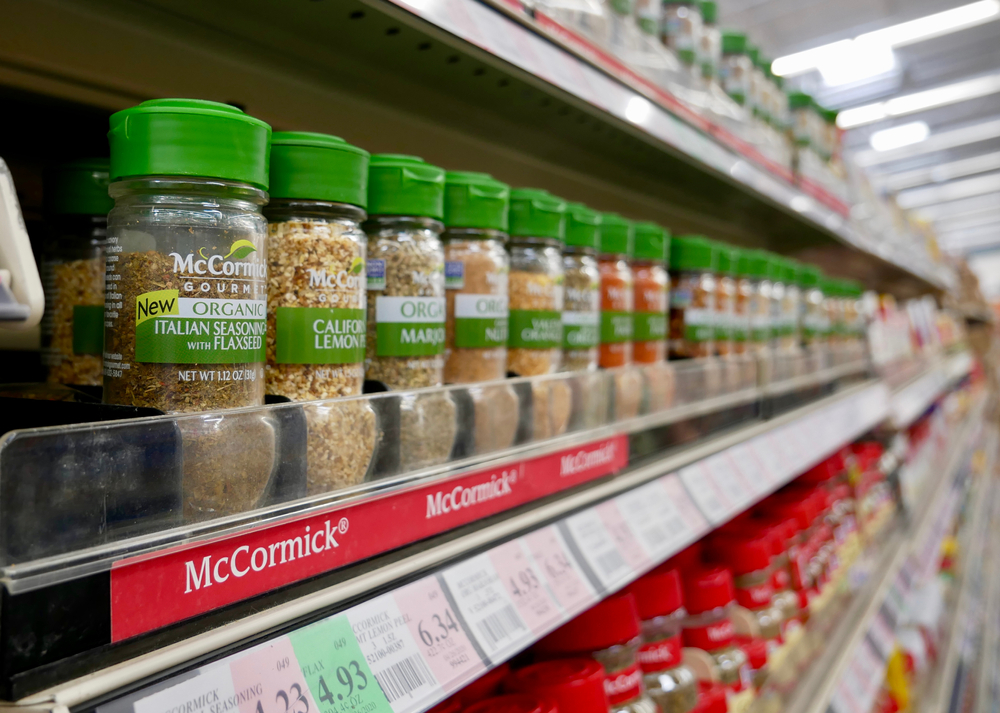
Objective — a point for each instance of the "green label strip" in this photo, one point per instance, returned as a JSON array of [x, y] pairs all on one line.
[[616, 327], [535, 329], [650, 326], [319, 335]]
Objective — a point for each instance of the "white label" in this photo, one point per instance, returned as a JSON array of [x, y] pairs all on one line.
[[720, 467], [581, 319], [654, 519], [705, 493], [480, 306], [200, 694], [409, 309], [598, 548]]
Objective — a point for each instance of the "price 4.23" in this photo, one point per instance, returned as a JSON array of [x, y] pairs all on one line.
[[440, 626]]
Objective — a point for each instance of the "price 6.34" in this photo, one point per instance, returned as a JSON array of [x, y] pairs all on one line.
[[351, 679], [441, 625]]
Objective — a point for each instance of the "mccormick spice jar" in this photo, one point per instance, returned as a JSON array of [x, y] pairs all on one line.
[[316, 307], [692, 297], [486, 686], [617, 237], [748, 557], [757, 651], [736, 67], [609, 633], [792, 307], [725, 300], [742, 296], [406, 303], [813, 316], [77, 205], [659, 599], [185, 322], [756, 265], [834, 307], [708, 596], [710, 41], [515, 703], [574, 684], [652, 288], [682, 28], [450, 705], [581, 317], [475, 277], [537, 229]]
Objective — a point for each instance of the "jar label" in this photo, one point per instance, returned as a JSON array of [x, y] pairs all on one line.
[[711, 637], [581, 330], [535, 329], [624, 685], [170, 329], [723, 325], [699, 324], [661, 655], [409, 326], [319, 335], [755, 596], [480, 321], [650, 327], [88, 329], [375, 270], [741, 327], [454, 275], [760, 328], [616, 327]]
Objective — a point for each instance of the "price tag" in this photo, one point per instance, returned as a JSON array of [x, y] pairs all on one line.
[[882, 637], [502, 37], [779, 442], [654, 518], [201, 693], [561, 69], [751, 468], [526, 586], [595, 548], [635, 554], [268, 680], [710, 500], [772, 461], [696, 523], [566, 580], [487, 608], [730, 481]]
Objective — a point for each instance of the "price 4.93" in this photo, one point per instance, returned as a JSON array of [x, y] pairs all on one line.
[[524, 583], [441, 626]]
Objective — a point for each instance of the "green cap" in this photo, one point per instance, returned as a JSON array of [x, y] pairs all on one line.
[[799, 100], [775, 268], [831, 287], [810, 276], [854, 288], [582, 226], [535, 213], [756, 264], [753, 52], [652, 242], [734, 42], [789, 271], [475, 200], [728, 260], [80, 187], [617, 235], [829, 115], [189, 137], [405, 185], [318, 167], [692, 252], [709, 11]]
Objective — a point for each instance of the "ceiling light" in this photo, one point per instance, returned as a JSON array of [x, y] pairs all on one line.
[[940, 141], [638, 110], [857, 62], [900, 136]]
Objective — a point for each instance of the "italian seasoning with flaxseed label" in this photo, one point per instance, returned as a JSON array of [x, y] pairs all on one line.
[[581, 315]]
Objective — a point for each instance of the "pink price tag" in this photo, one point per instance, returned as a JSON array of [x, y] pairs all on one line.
[[526, 586], [635, 554], [771, 460], [749, 465], [693, 518], [728, 479], [706, 494], [654, 518], [561, 572], [599, 548], [272, 679]]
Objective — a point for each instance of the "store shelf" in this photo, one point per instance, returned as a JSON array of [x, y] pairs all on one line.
[[466, 85], [914, 398]]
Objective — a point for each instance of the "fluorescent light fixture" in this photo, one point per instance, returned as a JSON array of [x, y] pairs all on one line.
[[941, 172], [955, 190], [900, 35], [857, 63], [940, 141], [900, 136], [638, 110], [920, 101]]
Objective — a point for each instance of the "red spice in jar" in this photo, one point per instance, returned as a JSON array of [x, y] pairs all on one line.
[[616, 245], [575, 684], [652, 285]]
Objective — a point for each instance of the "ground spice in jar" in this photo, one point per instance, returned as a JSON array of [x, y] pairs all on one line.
[[427, 429], [708, 597], [575, 684], [476, 270], [515, 703], [537, 229], [652, 287], [405, 271], [725, 301], [813, 316], [77, 204], [742, 295], [747, 555], [581, 317], [756, 265], [617, 238], [692, 297]]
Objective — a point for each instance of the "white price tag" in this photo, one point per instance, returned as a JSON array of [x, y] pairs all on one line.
[[212, 685], [566, 580], [526, 586], [882, 636], [654, 518], [729, 480], [710, 500], [751, 468], [781, 441], [696, 523], [637, 556], [771, 460], [597, 550]]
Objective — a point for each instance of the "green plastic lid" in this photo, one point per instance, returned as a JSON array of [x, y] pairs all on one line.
[[728, 260], [318, 167], [790, 271], [692, 252], [775, 268], [475, 200], [829, 115], [709, 12], [810, 276], [799, 100], [854, 288], [617, 235], [582, 226], [734, 42], [405, 185], [755, 264], [831, 287], [753, 52], [189, 137], [535, 213], [652, 242], [79, 187]]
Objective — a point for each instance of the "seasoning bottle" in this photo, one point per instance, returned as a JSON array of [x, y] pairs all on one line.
[[682, 28], [725, 301], [780, 533], [316, 306], [736, 67], [659, 599], [747, 555], [791, 308], [475, 276], [581, 317], [77, 205], [854, 324], [708, 597], [649, 16], [617, 237], [406, 301], [742, 297], [652, 288], [776, 269], [609, 633], [537, 230], [756, 265], [833, 306], [187, 253], [692, 297], [757, 653], [813, 318], [710, 41], [800, 105], [514, 703], [575, 684]]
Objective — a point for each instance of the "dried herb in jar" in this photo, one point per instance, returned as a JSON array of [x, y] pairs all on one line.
[[652, 287], [616, 244], [581, 317], [692, 297]]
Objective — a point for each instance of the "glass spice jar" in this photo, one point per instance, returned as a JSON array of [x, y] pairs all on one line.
[[616, 236], [609, 633], [757, 651], [758, 270], [682, 28], [708, 597], [813, 315], [659, 598], [747, 555], [776, 268], [710, 41], [792, 307], [725, 301], [406, 300], [652, 289], [186, 251], [779, 534], [854, 323], [77, 205], [735, 67], [649, 16], [800, 105], [581, 317], [476, 269], [834, 307], [692, 297], [742, 297], [537, 231], [574, 684]]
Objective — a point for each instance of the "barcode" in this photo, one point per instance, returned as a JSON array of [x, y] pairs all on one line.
[[401, 679], [609, 562], [675, 526], [500, 624]]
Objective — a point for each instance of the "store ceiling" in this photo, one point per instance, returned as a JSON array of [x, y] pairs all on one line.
[[951, 178]]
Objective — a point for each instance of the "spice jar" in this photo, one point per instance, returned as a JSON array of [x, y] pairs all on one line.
[[648, 16], [813, 320], [725, 301], [780, 535], [671, 684], [450, 705], [187, 255], [854, 323], [515, 703], [692, 297], [537, 229], [833, 306], [682, 28], [609, 633], [742, 297], [747, 555], [475, 277], [316, 265], [800, 105], [405, 273], [735, 68], [757, 653], [652, 287], [77, 205], [617, 237], [778, 316], [581, 317], [710, 41], [756, 265], [488, 685], [708, 596], [788, 340], [574, 684]]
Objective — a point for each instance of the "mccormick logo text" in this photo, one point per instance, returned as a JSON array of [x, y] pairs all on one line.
[[583, 460], [242, 560], [221, 265], [720, 632], [616, 685], [461, 496]]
